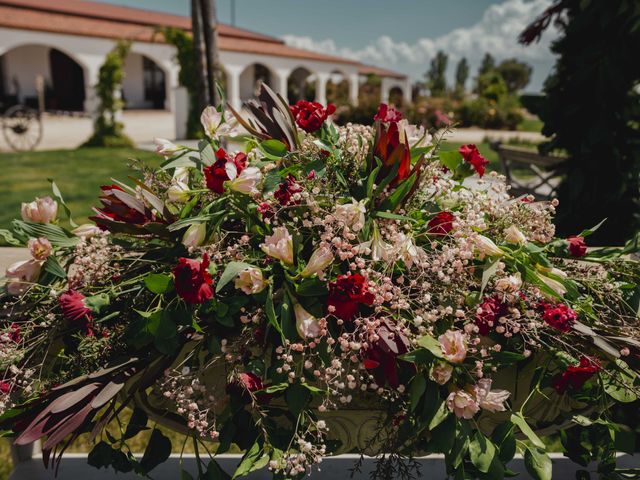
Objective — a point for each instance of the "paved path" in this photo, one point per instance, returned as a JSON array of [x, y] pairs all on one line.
[[63, 132], [9, 255], [477, 135]]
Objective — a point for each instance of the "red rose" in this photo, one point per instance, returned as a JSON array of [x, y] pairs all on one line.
[[266, 210], [5, 387], [441, 224], [387, 114], [14, 333], [73, 306], [559, 317], [347, 293], [391, 150], [247, 383], [382, 355], [120, 206], [216, 174], [472, 156], [311, 115], [492, 309], [75, 309], [575, 376], [192, 279], [286, 190], [577, 247]]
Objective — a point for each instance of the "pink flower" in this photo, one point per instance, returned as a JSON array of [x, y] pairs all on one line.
[[250, 281], [40, 248], [387, 114], [442, 372], [491, 400], [41, 210], [306, 324], [21, 275], [454, 345], [463, 404], [577, 247], [279, 245]]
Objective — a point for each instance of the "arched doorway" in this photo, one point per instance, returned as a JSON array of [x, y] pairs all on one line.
[[301, 85], [62, 78], [144, 84], [338, 88], [396, 97], [251, 78]]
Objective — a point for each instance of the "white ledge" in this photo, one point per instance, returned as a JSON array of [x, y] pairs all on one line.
[[74, 466]]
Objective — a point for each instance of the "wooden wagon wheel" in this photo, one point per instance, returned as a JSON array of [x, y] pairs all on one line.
[[22, 128]]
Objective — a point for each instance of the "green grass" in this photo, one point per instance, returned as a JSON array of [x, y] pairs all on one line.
[[530, 125], [79, 174]]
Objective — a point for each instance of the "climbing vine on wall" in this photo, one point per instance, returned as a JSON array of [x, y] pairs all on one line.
[[107, 130]]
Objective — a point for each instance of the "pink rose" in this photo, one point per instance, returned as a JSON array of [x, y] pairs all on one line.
[[21, 275], [491, 400], [41, 210], [463, 404], [441, 372], [454, 345]]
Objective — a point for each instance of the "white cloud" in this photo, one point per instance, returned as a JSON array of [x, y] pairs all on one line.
[[497, 32]]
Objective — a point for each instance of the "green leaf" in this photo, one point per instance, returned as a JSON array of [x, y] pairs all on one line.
[[157, 282], [451, 159], [166, 335], [519, 420], [157, 451], [100, 455], [207, 155], [394, 200], [538, 463], [97, 302], [393, 216], [184, 475], [52, 266], [442, 413], [488, 272], [297, 397], [271, 313], [431, 344], [230, 272], [58, 236], [247, 464], [589, 231], [482, 452], [273, 148], [416, 390], [8, 238], [215, 472], [137, 423], [311, 287], [58, 195]]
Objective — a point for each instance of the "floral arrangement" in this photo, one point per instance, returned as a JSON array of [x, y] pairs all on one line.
[[248, 295]]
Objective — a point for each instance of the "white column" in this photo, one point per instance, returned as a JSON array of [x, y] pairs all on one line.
[[281, 80], [354, 87], [407, 91], [233, 86], [384, 90], [91, 67], [321, 87]]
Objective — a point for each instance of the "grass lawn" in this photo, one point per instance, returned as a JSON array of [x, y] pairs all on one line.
[[530, 125], [79, 174]]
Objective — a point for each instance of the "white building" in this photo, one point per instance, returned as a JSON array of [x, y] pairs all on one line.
[[64, 43]]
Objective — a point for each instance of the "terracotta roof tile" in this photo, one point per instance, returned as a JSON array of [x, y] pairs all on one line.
[[93, 19]]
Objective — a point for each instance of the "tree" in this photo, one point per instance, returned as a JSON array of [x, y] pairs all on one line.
[[516, 74], [592, 111], [491, 86], [436, 80], [488, 64], [205, 40], [462, 74]]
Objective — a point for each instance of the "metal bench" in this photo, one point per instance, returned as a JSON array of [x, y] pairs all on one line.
[[543, 183]]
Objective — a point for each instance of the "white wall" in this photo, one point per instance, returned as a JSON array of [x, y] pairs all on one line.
[[24, 64]]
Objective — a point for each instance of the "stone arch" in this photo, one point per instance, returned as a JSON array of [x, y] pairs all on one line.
[[338, 88], [252, 77], [301, 85], [64, 76], [145, 82], [396, 96]]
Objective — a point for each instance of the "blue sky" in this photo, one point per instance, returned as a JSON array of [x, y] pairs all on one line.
[[399, 34]]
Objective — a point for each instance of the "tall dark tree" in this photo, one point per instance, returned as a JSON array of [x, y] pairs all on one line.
[[592, 111], [436, 76], [204, 30], [462, 75], [487, 65], [516, 74]]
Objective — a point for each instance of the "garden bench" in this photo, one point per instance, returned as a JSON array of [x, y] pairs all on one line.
[[543, 183]]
